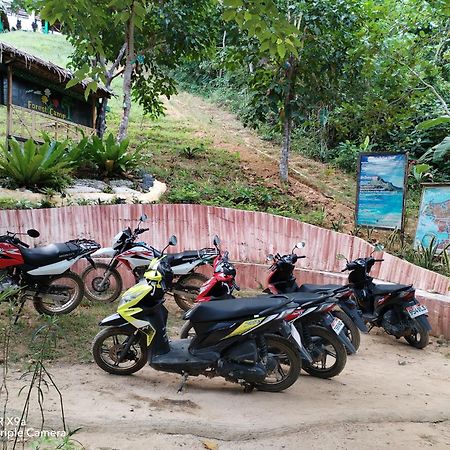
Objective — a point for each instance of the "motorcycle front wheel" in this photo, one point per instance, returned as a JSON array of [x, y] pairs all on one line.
[[328, 353], [60, 296], [110, 343], [102, 283], [283, 364], [185, 291], [419, 337]]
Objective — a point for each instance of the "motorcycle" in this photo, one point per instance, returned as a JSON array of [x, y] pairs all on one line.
[[103, 282], [43, 273], [281, 280], [392, 307], [322, 346], [233, 338]]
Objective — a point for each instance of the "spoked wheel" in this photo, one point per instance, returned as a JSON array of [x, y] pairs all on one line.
[[102, 283], [61, 296], [283, 364], [109, 345], [419, 337], [186, 290], [328, 353], [351, 330]]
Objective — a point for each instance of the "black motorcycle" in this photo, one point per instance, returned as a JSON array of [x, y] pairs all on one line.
[[393, 307], [244, 342]]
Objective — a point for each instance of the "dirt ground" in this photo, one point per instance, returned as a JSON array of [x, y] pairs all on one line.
[[388, 396]]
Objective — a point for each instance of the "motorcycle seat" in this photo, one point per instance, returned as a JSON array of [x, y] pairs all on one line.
[[302, 298], [233, 309], [318, 287], [177, 259], [384, 289], [49, 254]]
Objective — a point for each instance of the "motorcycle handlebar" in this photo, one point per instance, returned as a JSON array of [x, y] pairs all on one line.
[[379, 260]]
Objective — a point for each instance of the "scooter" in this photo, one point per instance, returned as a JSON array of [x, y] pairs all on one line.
[[281, 280], [43, 273], [103, 282], [325, 355], [234, 339], [393, 307]]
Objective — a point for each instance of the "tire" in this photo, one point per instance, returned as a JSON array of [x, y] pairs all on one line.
[[109, 366], [419, 338], [44, 304], [325, 344], [191, 285], [187, 330], [351, 330], [92, 276], [288, 352]]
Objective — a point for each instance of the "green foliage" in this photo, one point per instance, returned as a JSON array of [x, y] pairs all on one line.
[[431, 257], [347, 154], [192, 152], [420, 173], [109, 156], [39, 165]]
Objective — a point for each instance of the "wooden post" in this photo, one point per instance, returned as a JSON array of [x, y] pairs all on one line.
[[8, 105]]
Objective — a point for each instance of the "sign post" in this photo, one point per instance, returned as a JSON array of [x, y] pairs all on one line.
[[380, 199]]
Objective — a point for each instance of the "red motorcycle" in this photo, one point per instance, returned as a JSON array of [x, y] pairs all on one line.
[[323, 354], [43, 273]]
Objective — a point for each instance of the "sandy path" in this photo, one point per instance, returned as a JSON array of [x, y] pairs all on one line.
[[388, 395]]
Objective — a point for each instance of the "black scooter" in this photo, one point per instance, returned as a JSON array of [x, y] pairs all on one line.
[[233, 340]]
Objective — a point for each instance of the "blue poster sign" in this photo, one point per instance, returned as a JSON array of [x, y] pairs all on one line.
[[434, 216], [381, 190]]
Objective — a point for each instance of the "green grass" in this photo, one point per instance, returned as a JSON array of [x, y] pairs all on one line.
[[49, 47]]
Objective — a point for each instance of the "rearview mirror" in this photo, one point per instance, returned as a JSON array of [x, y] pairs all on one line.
[[216, 240], [173, 240], [143, 218], [270, 257], [33, 233], [378, 248], [301, 244], [340, 256]]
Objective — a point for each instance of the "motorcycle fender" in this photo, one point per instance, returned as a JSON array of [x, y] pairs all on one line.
[[423, 320], [114, 320], [328, 319], [356, 317], [56, 268], [298, 340], [106, 252], [184, 269]]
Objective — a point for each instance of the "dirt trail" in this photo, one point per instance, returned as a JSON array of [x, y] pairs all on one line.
[[389, 395], [319, 185]]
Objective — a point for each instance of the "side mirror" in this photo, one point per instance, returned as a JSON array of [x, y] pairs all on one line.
[[270, 257], [33, 233], [173, 240], [143, 218], [216, 240], [340, 256], [378, 248], [301, 244]]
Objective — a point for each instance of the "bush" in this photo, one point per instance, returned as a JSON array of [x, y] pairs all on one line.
[[110, 157], [34, 165]]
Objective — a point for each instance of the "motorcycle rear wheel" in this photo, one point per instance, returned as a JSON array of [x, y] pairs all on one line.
[[108, 344], [287, 358], [351, 330], [187, 289], [419, 338], [325, 345], [93, 276], [72, 292]]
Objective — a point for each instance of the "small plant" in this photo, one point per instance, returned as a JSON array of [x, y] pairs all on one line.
[[338, 225], [420, 173], [112, 157], [348, 153], [192, 152], [431, 256], [38, 165]]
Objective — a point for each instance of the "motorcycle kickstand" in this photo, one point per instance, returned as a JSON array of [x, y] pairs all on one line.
[[370, 329], [184, 377], [22, 302], [248, 387]]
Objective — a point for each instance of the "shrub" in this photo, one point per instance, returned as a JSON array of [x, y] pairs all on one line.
[[38, 165], [111, 157]]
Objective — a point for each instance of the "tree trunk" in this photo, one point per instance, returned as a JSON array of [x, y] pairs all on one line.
[[100, 123], [285, 148], [287, 120], [128, 72]]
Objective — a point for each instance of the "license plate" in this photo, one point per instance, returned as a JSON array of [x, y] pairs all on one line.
[[416, 310], [337, 325]]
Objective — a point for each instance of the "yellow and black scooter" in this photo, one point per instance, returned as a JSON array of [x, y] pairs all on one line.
[[233, 339]]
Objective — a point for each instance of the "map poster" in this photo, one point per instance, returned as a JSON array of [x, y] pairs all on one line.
[[380, 196], [434, 215]]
